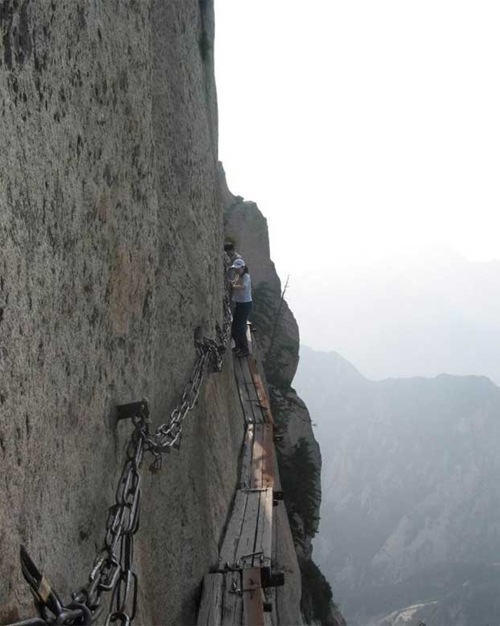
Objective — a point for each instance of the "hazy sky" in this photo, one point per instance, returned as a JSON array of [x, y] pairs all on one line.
[[362, 128]]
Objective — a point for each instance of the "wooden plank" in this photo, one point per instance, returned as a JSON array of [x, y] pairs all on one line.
[[246, 543], [263, 539], [263, 461], [248, 395], [232, 608], [258, 457], [248, 378], [240, 373], [210, 613], [253, 610], [246, 367], [246, 458], [268, 465], [247, 406], [252, 398], [231, 538], [262, 396], [249, 339]]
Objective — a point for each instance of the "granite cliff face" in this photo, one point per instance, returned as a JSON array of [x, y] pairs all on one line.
[[108, 177], [111, 231], [410, 525]]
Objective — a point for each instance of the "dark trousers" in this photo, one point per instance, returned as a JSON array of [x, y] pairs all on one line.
[[239, 326]]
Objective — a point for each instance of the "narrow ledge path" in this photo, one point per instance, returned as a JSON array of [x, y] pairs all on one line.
[[240, 590]]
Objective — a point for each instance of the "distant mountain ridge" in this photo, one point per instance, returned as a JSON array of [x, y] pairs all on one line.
[[411, 504], [414, 316]]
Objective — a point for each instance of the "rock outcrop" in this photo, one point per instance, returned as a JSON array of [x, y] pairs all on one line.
[[298, 451]]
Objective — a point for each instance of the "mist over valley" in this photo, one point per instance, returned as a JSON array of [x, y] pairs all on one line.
[[410, 509]]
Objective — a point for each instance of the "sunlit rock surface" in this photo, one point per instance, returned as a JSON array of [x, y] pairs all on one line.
[[110, 257]]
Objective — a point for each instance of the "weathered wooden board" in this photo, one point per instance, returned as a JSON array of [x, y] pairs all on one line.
[[235, 597], [246, 543], [246, 458], [251, 392], [232, 537], [268, 464], [247, 413], [261, 394], [232, 608], [248, 395], [258, 460], [253, 610], [264, 534], [210, 613], [263, 457], [250, 340]]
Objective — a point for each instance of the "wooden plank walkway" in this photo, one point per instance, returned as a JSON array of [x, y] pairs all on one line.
[[234, 595], [212, 600]]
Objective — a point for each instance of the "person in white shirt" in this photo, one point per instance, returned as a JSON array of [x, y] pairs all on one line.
[[242, 297]]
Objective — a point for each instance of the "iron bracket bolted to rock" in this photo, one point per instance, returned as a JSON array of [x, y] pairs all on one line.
[[113, 566]]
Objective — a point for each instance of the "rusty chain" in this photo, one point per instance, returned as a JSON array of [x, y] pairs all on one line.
[[112, 571]]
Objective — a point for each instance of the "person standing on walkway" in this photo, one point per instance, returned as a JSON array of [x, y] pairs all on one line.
[[242, 297]]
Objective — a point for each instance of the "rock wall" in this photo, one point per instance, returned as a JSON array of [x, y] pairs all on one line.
[[111, 227], [110, 240]]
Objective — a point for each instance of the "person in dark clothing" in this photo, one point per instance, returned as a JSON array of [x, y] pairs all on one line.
[[242, 297]]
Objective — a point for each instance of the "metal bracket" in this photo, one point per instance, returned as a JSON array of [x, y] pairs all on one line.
[[132, 409]]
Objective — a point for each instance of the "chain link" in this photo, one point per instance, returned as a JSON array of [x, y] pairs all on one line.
[[112, 570]]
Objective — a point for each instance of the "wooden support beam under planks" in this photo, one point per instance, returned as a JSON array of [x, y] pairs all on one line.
[[211, 601], [253, 611]]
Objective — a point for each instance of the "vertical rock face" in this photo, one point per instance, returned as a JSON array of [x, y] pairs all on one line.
[[275, 323], [110, 258], [110, 235]]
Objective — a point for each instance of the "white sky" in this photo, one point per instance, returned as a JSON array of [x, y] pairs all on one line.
[[363, 128]]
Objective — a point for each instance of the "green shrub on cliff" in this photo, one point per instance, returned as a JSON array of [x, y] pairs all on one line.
[[317, 599], [300, 480]]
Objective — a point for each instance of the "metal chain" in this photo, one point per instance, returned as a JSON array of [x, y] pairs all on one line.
[[112, 571]]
